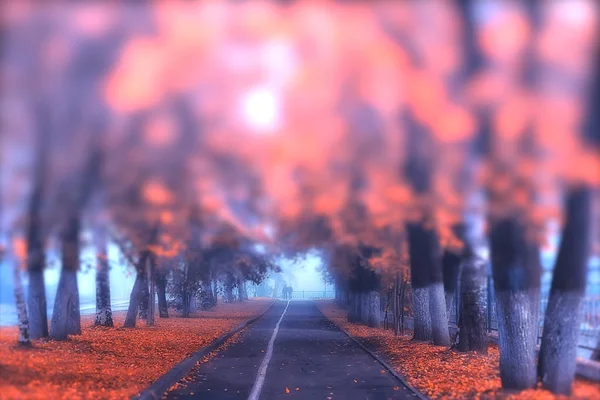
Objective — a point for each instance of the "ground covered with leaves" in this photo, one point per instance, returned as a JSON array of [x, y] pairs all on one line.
[[442, 373], [111, 363]]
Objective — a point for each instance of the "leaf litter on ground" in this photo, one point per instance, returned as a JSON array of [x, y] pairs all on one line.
[[111, 363], [441, 373]]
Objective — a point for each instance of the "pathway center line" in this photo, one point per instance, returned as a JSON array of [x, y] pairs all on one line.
[[262, 371]]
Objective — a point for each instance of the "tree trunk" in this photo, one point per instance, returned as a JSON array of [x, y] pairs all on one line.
[[451, 267], [103, 306], [422, 321], [36, 296], [36, 303], [229, 297], [396, 306], [161, 288], [21, 309], [207, 301], [136, 292], [439, 319], [145, 298], [215, 291], [420, 253], [151, 267], [243, 294], [364, 308], [402, 297], [473, 306], [374, 319], [516, 271], [351, 312], [187, 299], [343, 297], [558, 352], [66, 315]]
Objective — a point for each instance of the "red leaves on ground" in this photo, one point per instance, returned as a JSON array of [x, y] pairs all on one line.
[[110, 363], [442, 373]]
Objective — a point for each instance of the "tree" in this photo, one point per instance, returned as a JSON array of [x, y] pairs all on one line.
[[473, 305], [66, 314], [560, 337], [19, 247], [103, 306], [78, 188], [161, 288], [516, 271], [451, 267], [135, 297], [417, 239], [36, 262]]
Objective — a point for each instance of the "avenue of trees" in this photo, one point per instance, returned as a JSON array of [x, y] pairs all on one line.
[[403, 141]]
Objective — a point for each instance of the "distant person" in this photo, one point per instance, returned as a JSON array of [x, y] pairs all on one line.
[[285, 292], [290, 290]]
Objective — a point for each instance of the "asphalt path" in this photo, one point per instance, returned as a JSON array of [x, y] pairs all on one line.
[[293, 351]]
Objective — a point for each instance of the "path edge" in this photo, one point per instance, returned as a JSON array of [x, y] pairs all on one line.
[[160, 386], [380, 360]]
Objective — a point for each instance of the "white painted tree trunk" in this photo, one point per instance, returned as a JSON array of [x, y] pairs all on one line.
[[374, 309], [103, 306], [422, 321], [437, 311], [21, 309], [517, 334]]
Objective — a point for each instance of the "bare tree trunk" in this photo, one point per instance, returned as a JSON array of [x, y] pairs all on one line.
[[451, 267], [402, 297], [36, 302], [151, 266], [187, 299], [215, 292], [558, 352], [144, 302], [396, 306], [103, 306], [352, 315], [36, 262], [207, 301], [161, 288], [21, 309], [364, 308], [229, 297], [136, 292], [473, 306], [516, 270], [66, 315], [243, 290]]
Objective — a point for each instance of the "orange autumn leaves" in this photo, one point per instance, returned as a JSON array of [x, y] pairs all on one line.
[[335, 82], [312, 57], [442, 373], [111, 363]]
